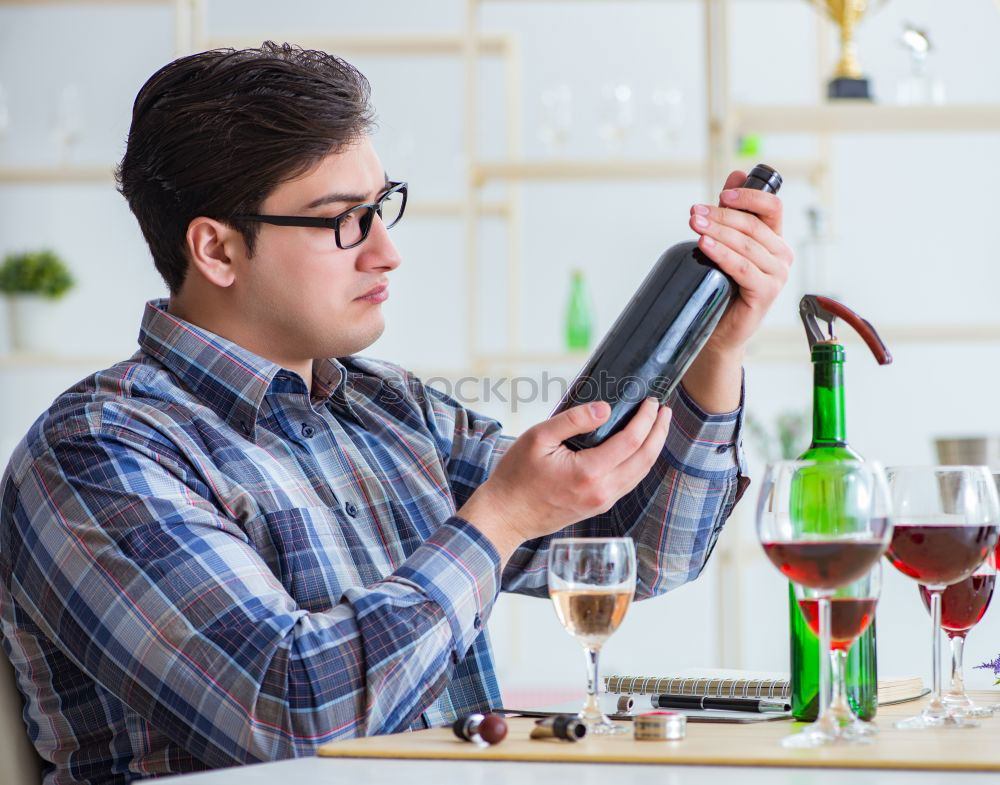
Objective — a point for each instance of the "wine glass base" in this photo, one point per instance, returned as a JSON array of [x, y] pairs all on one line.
[[858, 729], [602, 726], [826, 732], [922, 721], [963, 706]]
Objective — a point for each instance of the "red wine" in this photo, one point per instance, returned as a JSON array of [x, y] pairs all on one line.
[[964, 603], [940, 555], [824, 564], [849, 617], [658, 335]]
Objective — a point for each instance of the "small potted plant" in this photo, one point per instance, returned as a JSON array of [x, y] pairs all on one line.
[[31, 281]]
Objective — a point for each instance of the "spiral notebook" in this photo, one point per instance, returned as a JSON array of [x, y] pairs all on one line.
[[718, 683]]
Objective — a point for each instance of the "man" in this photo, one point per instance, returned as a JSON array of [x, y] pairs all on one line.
[[225, 550]]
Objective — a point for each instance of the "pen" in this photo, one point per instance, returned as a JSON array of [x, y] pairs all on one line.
[[724, 704]]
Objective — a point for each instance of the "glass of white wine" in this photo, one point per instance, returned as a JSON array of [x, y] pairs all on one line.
[[591, 583]]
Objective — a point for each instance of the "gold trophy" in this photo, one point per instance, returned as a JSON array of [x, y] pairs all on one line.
[[848, 79]]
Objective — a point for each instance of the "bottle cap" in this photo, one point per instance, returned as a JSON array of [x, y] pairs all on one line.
[[660, 726], [764, 178]]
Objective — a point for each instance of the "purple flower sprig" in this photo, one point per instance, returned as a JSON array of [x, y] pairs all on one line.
[[993, 665]]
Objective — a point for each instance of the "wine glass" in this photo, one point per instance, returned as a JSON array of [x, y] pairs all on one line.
[[852, 607], [556, 116], [591, 583], [667, 117], [617, 115], [823, 524], [963, 604], [4, 112], [67, 120], [946, 526]]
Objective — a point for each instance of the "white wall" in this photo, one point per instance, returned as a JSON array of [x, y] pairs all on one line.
[[915, 216]]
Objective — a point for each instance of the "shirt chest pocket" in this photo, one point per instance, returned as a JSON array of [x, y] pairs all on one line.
[[317, 553]]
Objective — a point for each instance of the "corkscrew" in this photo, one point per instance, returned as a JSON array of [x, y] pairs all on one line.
[[814, 308]]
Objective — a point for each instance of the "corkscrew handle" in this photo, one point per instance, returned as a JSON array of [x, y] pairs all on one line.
[[814, 308]]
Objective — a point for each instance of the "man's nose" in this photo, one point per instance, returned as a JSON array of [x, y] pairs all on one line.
[[378, 251]]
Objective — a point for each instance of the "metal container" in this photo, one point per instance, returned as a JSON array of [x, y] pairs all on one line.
[[969, 451]]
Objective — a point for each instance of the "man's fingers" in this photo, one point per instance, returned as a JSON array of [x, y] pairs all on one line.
[[623, 444], [746, 245], [576, 420], [764, 205], [633, 469], [745, 223], [735, 179], [748, 276]]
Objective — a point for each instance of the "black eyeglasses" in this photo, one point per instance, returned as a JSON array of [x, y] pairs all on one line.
[[351, 227]]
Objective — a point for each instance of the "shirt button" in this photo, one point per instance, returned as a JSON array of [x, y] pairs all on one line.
[[308, 430], [244, 426], [352, 509], [477, 622], [454, 657], [282, 378], [722, 448]]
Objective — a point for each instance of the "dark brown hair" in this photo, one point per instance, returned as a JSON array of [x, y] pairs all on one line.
[[214, 133]]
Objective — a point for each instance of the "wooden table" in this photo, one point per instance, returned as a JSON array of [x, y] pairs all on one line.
[[709, 754]]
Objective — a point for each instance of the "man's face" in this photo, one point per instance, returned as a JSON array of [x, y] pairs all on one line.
[[299, 287]]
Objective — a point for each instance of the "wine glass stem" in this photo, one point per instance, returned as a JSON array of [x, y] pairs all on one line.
[[957, 680], [593, 686], [824, 646], [838, 663], [935, 702]]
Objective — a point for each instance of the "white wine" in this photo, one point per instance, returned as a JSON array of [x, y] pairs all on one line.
[[591, 615]]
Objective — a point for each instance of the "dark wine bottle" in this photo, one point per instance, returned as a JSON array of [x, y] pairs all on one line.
[[660, 332]]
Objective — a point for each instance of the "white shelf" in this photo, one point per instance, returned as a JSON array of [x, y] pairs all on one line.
[[418, 44], [551, 169], [867, 117], [586, 169], [779, 343], [86, 2], [30, 360], [45, 175]]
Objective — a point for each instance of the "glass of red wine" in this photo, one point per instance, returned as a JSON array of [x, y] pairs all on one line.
[[963, 604], [852, 608], [947, 521], [824, 525]]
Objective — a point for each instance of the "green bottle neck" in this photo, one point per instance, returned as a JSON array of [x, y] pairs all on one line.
[[829, 418]]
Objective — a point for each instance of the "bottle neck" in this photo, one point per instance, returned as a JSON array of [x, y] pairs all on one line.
[[829, 419]]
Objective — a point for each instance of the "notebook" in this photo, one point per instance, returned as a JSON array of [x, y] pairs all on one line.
[[744, 684]]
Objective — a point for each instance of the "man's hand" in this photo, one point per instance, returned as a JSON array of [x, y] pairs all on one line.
[[541, 486], [748, 247]]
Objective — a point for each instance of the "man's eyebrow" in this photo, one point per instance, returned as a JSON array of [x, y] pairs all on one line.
[[338, 198]]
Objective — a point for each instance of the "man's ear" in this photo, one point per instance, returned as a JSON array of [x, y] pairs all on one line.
[[212, 245]]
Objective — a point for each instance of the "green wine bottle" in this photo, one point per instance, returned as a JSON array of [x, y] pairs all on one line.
[[829, 443], [578, 321]]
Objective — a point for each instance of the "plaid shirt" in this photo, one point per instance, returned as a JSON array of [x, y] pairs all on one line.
[[204, 565]]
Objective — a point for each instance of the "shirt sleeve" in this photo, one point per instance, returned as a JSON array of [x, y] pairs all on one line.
[[675, 514], [107, 543]]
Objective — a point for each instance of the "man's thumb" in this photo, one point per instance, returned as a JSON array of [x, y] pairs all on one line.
[[579, 419]]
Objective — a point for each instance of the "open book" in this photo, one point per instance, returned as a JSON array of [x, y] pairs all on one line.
[[716, 683]]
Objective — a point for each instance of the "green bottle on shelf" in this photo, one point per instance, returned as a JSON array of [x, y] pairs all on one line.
[[579, 325], [829, 443]]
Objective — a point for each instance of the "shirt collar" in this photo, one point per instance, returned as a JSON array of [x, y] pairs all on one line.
[[230, 380]]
